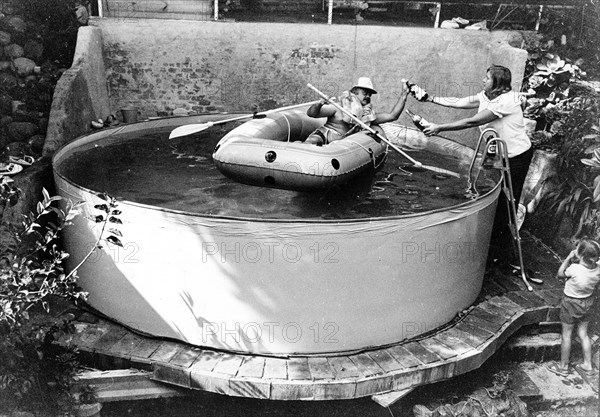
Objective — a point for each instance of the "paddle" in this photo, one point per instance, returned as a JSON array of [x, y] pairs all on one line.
[[391, 145], [199, 127]]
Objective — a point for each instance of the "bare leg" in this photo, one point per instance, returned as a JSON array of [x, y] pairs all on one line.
[[565, 345], [586, 345]]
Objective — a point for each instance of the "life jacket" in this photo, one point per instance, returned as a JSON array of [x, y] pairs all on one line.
[[352, 103]]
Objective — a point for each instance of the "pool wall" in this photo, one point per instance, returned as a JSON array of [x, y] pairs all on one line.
[[162, 67], [277, 287]]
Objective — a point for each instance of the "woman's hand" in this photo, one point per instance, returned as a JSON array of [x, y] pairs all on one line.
[[572, 255], [432, 129]]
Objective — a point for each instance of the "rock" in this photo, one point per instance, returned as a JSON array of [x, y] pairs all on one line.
[[8, 81], [33, 50], [17, 24], [6, 65], [82, 14], [36, 144], [21, 131], [24, 66], [14, 51], [17, 148], [5, 120], [180, 112], [5, 38], [5, 104]]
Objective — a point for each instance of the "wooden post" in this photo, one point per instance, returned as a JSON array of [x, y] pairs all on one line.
[[330, 13], [438, 7], [216, 10], [539, 19], [100, 11]]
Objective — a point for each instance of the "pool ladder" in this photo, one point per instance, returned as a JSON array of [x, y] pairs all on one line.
[[489, 138]]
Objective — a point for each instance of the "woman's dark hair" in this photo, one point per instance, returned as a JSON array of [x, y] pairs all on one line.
[[501, 80]]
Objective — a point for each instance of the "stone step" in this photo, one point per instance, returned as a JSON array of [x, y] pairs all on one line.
[[542, 389], [544, 346]]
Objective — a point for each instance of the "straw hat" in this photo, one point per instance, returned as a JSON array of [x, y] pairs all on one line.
[[366, 84]]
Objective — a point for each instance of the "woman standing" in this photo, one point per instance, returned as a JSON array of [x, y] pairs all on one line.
[[499, 108]]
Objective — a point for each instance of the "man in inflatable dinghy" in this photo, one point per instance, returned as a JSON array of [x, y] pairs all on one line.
[[358, 102]]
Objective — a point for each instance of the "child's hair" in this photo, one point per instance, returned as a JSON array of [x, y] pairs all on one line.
[[588, 250]]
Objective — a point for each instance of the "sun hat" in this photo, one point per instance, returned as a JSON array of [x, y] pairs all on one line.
[[366, 84]]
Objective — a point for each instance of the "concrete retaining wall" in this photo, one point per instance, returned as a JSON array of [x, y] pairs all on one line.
[[81, 94], [163, 66]]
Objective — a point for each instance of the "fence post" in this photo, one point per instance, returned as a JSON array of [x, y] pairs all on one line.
[[216, 10], [438, 12], [330, 13]]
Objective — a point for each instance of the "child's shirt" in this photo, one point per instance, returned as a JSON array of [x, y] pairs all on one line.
[[582, 281]]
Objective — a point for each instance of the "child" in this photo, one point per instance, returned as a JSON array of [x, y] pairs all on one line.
[[582, 272]]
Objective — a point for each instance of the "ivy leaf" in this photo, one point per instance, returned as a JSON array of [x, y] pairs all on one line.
[[116, 212], [102, 207], [116, 232], [99, 219], [114, 240], [113, 219]]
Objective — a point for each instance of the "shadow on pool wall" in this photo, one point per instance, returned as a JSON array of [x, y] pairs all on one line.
[[159, 66]]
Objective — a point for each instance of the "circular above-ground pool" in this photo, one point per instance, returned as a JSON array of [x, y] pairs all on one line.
[[265, 271]]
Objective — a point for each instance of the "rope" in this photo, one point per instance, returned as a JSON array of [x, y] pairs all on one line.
[[289, 127], [369, 151]]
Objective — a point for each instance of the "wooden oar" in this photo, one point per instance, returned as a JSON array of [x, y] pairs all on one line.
[[391, 145], [199, 127]]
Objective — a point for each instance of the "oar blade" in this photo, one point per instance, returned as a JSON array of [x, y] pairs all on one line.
[[188, 130]]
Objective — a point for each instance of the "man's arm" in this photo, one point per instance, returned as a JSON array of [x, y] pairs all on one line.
[[320, 109], [396, 111]]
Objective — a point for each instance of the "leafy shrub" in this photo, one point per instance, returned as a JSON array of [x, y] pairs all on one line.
[[35, 371]]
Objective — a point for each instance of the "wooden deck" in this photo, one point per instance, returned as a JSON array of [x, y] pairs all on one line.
[[503, 307]]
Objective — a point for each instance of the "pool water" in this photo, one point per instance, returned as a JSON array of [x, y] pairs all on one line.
[[179, 174]]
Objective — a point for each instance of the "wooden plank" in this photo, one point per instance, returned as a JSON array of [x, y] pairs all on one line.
[[126, 344], [474, 320], [506, 304], [456, 344], [495, 321], [165, 352], [551, 297], [495, 310], [385, 360], [471, 334], [343, 367], [320, 368], [366, 365], [391, 397], [445, 352], [112, 336], [403, 356], [202, 377], [531, 296], [206, 361], [228, 365], [185, 357], [421, 353], [275, 368], [175, 375], [124, 385], [252, 367], [523, 302], [143, 351], [298, 369]]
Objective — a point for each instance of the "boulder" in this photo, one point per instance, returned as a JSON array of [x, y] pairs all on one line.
[[5, 121], [6, 65], [21, 131], [17, 24], [14, 51], [5, 104], [8, 81], [36, 144], [24, 66], [5, 38]]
